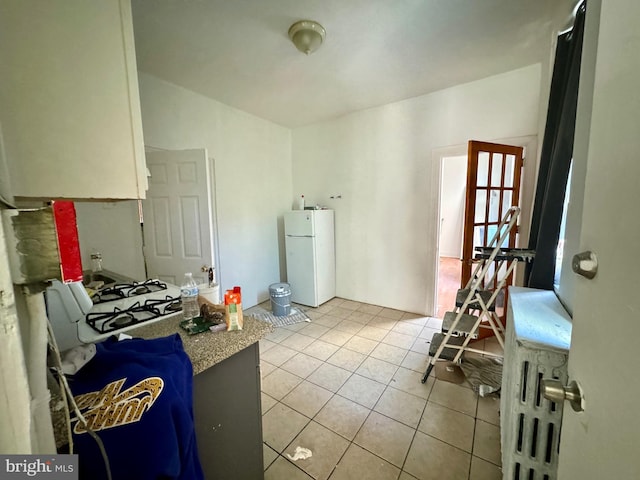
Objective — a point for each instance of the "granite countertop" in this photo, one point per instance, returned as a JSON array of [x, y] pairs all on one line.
[[208, 348]]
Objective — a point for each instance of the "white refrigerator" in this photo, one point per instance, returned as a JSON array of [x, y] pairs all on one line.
[[311, 259]]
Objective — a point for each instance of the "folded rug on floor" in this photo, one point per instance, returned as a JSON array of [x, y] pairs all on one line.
[[296, 316]]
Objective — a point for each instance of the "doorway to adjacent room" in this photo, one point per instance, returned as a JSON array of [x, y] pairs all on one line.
[[450, 170], [453, 181]]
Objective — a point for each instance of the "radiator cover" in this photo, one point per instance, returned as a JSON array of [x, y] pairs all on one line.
[[537, 346]]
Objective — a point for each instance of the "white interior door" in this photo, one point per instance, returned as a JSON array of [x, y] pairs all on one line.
[[177, 212], [602, 441]]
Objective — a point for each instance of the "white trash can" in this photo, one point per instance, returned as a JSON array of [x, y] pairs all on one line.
[[280, 299]]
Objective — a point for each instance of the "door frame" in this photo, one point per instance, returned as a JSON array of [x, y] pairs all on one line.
[[212, 204], [439, 158], [527, 191], [213, 207]]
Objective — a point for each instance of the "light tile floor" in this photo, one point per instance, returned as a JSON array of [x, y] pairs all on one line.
[[347, 387]]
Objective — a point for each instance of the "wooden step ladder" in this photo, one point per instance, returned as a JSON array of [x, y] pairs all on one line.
[[475, 306]]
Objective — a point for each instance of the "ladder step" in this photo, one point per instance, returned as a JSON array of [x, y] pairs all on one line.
[[463, 293], [465, 324], [521, 254], [447, 353]]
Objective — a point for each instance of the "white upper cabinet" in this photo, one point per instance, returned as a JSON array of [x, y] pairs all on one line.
[[69, 104]]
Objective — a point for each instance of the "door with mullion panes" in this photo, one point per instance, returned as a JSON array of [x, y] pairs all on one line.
[[493, 186]]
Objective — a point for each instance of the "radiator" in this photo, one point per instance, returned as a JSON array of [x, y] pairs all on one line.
[[536, 347]]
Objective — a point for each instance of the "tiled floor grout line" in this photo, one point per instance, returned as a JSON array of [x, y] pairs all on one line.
[[416, 429], [351, 442], [475, 422], [415, 432], [388, 385]]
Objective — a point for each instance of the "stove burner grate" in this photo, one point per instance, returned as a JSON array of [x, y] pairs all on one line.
[[106, 322], [116, 319], [166, 305], [124, 320], [124, 290], [175, 306], [141, 290]]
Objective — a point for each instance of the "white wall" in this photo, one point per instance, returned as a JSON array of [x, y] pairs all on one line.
[[113, 229], [452, 201], [5, 184], [253, 184], [380, 160]]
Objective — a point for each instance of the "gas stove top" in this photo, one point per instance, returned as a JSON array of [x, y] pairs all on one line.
[[126, 290], [122, 307], [121, 317]]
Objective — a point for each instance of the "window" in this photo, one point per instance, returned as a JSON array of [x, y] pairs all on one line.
[[561, 237]]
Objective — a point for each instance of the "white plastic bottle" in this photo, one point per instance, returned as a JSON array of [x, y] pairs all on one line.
[[189, 296], [301, 202]]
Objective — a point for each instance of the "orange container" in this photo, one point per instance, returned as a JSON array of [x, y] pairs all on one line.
[[233, 309]]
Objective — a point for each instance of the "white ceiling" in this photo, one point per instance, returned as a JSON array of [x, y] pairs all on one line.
[[375, 52]]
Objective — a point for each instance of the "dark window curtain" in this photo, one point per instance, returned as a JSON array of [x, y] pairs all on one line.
[[555, 158]]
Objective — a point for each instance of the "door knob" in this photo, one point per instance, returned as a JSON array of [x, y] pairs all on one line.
[[555, 391], [585, 264]]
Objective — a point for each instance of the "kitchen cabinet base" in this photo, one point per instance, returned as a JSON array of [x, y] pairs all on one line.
[[228, 417]]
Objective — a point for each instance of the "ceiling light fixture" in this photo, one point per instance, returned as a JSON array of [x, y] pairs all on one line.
[[307, 35]]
